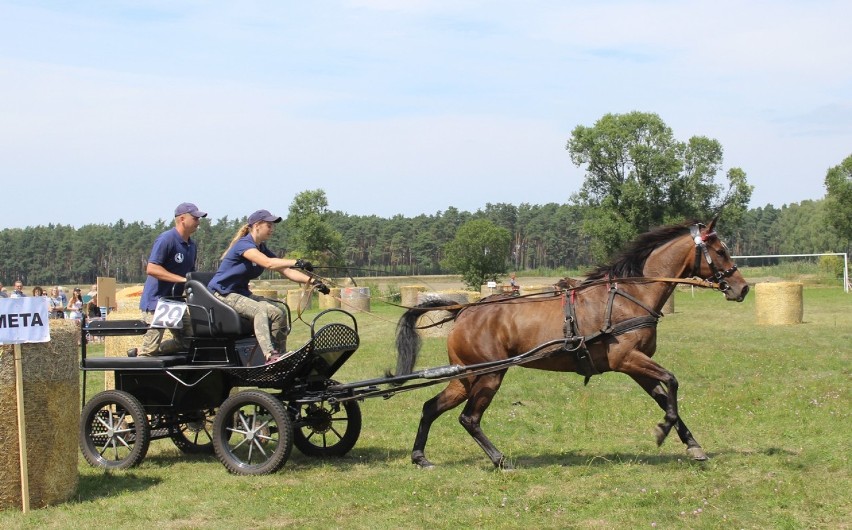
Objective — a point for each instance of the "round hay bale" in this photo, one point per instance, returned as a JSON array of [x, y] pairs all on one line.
[[330, 300], [298, 300], [425, 322], [52, 411], [778, 303], [668, 306], [355, 299], [408, 294], [272, 294]]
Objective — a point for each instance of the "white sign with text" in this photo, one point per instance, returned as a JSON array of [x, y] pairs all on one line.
[[24, 320]]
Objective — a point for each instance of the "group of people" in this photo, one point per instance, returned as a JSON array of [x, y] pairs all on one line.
[[173, 257], [57, 300]]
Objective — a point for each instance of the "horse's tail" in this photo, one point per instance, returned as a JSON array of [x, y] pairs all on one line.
[[408, 341]]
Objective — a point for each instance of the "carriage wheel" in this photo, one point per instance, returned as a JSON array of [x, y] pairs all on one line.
[[195, 435], [114, 430], [324, 429], [252, 433]]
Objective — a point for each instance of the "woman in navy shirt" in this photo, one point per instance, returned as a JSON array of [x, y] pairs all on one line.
[[244, 260]]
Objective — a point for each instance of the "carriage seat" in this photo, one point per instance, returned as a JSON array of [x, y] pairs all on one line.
[[210, 316]]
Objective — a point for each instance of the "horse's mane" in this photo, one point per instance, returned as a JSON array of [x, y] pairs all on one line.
[[632, 259]]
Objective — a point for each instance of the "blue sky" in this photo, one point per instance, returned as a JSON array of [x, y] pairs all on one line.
[[118, 109]]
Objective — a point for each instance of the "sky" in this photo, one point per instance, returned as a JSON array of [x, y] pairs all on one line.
[[122, 109]]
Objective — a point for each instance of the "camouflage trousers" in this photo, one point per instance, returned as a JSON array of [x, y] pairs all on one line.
[[153, 344], [270, 322]]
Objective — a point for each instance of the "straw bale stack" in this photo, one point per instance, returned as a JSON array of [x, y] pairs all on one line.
[[118, 346], [778, 303], [298, 300], [128, 298], [52, 411], [408, 294], [432, 317], [330, 300], [355, 299]]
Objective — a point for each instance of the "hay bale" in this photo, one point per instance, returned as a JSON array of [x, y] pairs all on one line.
[[118, 346], [272, 294], [355, 299], [778, 303], [537, 289], [128, 298], [408, 294], [425, 321], [52, 412], [330, 300], [668, 306], [298, 300]]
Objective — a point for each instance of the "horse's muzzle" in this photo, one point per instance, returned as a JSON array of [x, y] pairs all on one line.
[[734, 296]]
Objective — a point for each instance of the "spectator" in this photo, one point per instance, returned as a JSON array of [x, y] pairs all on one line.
[[19, 290], [57, 306], [3, 293], [38, 291], [93, 310], [75, 305], [62, 295]]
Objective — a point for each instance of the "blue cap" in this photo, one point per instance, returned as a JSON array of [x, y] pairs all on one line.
[[191, 209], [263, 215]]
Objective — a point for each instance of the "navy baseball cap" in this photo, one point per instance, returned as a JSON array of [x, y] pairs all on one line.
[[263, 215], [191, 209]]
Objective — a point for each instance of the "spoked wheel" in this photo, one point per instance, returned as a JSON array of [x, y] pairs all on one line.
[[114, 430], [324, 429], [195, 435], [252, 433]]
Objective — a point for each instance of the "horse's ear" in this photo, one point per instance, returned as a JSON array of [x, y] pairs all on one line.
[[713, 223]]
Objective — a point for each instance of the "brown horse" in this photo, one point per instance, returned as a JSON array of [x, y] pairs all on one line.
[[609, 321]]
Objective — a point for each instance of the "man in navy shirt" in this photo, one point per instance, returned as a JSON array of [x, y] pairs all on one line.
[[172, 257]]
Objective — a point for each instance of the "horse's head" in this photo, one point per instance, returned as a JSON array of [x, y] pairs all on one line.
[[713, 262]]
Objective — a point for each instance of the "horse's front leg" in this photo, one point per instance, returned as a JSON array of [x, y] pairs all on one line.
[[481, 394], [658, 392], [639, 366]]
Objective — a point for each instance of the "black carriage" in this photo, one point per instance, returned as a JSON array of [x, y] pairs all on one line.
[[198, 398]]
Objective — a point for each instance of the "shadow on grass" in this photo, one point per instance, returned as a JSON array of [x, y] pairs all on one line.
[[93, 487]]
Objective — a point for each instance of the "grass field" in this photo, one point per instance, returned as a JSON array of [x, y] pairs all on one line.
[[770, 405]]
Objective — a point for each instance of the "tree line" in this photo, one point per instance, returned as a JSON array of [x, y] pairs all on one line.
[[548, 236]]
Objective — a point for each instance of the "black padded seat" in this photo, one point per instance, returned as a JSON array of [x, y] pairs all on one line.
[[123, 363], [210, 316]]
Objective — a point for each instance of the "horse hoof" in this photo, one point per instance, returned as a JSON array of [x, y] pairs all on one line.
[[421, 462], [659, 435], [697, 454]]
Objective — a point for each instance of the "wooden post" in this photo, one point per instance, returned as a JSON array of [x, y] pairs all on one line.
[[22, 430]]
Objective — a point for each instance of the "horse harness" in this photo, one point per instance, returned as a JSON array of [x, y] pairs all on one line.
[[585, 363]]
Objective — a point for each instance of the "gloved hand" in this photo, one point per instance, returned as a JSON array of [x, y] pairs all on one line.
[[304, 264], [321, 287]]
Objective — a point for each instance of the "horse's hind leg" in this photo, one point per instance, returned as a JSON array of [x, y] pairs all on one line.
[[656, 390], [447, 399], [481, 394]]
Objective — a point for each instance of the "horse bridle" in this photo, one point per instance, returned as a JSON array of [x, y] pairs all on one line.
[[718, 276]]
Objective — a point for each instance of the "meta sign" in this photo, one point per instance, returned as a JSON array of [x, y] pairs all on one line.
[[24, 320]]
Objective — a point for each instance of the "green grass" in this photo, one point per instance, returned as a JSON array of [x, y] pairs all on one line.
[[770, 405]]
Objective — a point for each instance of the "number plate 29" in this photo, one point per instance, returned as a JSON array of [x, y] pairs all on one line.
[[168, 314]]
